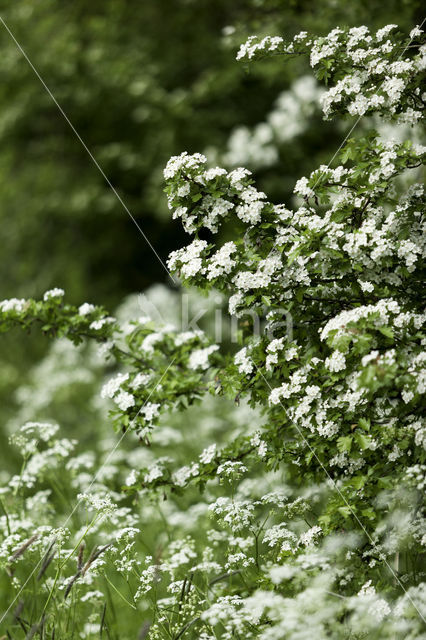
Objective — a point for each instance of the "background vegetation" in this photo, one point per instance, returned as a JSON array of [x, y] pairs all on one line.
[[139, 82]]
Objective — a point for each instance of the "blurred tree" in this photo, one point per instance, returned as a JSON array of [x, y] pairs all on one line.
[[139, 81]]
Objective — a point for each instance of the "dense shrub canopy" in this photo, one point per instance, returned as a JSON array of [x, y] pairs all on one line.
[[266, 492], [139, 84]]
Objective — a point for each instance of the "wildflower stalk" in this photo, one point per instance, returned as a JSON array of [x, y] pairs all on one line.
[[114, 588]]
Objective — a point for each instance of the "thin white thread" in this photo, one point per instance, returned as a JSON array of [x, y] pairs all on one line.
[[343, 497], [360, 117], [298, 430], [86, 148], [170, 275], [357, 121], [91, 484], [96, 163]]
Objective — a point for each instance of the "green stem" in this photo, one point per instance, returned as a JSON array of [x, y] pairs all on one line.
[[61, 565], [119, 592], [7, 516]]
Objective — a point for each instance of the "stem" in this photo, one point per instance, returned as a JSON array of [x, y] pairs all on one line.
[[119, 593], [61, 565], [7, 516]]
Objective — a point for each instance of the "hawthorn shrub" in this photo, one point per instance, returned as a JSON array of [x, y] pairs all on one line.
[[300, 510]]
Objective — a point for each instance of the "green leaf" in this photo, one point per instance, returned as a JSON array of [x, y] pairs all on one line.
[[358, 481], [363, 441], [324, 521], [385, 482], [344, 443], [346, 512], [387, 331], [364, 423]]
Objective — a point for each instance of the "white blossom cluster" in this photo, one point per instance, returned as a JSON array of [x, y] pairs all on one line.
[[377, 73], [350, 257], [289, 502], [197, 208]]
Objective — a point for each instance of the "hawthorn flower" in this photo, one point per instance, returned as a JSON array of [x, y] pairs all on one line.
[[208, 454], [53, 293], [124, 400], [243, 361], [336, 362], [14, 304], [96, 325], [221, 262], [184, 161], [230, 469], [140, 380], [150, 411], [181, 476], [111, 387], [344, 394], [199, 359], [309, 537], [86, 308]]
